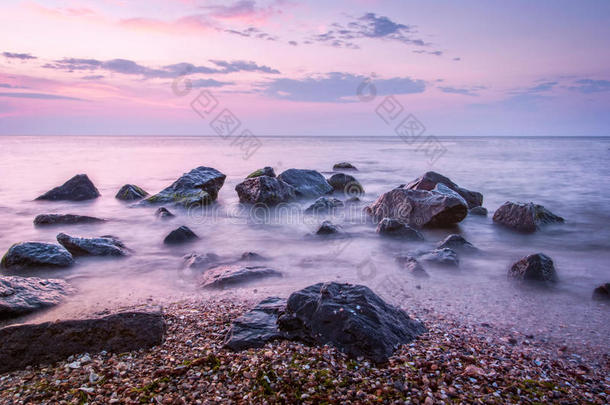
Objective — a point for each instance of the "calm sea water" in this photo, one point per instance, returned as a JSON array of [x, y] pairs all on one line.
[[568, 176]]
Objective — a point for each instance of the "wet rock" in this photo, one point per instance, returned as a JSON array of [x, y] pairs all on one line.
[[78, 188], [419, 208], [182, 234], [328, 228], [350, 317], [527, 217], [197, 261], [23, 295], [306, 183], [412, 266], [102, 246], [264, 190], [252, 257], [482, 211], [130, 192], [534, 268], [164, 213], [48, 342], [198, 187], [256, 327], [344, 183], [344, 166], [36, 254], [457, 243], [429, 180], [324, 205], [233, 275], [444, 257], [398, 229], [265, 171], [64, 219], [601, 293]]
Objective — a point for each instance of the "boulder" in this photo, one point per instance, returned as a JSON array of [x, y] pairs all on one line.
[[264, 190], [344, 166], [538, 268], [482, 211], [328, 228], [344, 183], [36, 254], [324, 205], [103, 246], [198, 187], [130, 192], [252, 257], [22, 295], [45, 343], [601, 293], [65, 219], [164, 213], [524, 217], [265, 171], [256, 327], [78, 188], [306, 183], [419, 208], [182, 234], [412, 266], [457, 243], [443, 257], [232, 275], [398, 229], [429, 180], [197, 261]]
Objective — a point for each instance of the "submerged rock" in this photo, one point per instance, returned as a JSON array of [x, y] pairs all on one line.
[[412, 266], [200, 186], [102, 246], [344, 166], [429, 180], [524, 217], [534, 268], [36, 254], [130, 192], [232, 275], [256, 327], [197, 261], [419, 208], [44, 343], [328, 228], [182, 234], [23, 295], [601, 293], [482, 211], [264, 190], [252, 257], [444, 257], [164, 213], [344, 183], [306, 183], [265, 171], [78, 188], [324, 205], [398, 229], [65, 219], [456, 242]]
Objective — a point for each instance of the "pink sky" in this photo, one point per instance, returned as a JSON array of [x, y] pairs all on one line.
[[293, 68]]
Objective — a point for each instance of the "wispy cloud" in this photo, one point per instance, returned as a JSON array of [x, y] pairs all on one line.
[[456, 90], [588, 86], [21, 56], [10, 86], [40, 96], [253, 32], [209, 83]]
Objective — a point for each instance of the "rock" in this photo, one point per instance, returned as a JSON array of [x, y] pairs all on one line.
[[397, 229], [419, 208], [457, 243], [233, 275], [78, 188], [601, 293], [48, 342], [252, 257], [36, 254], [328, 228], [429, 180], [534, 268], [350, 317], [130, 192], [102, 246], [64, 219], [344, 183], [482, 211], [265, 171], [22, 295], [412, 266], [163, 213], [306, 183], [198, 187], [256, 327], [352, 200], [524, 217], [196, 261], [180, 235], [324, 205], [344, 166], [444, 257], [264, 190]]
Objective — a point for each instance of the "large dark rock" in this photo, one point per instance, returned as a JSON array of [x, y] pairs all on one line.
[[324, 205], [328, 228], [65, 219], [429, 180], [442, 257], [538, 268], [344, 166], [163, 213], [22, 295], [103, 246], [36, 254], [411, 266], [457, 243], [130, 192], [30, 344], [524, 217], [264, 190], [481, 211], [198, 187], [232, 275], [350, 317], [256, 327], [398, 229], [265, 171], [78, 188], [601, 293], [344, 183], [179, 235], [306, 183], [419, 208]]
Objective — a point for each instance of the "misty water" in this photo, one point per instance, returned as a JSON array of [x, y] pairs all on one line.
[[569, 176]]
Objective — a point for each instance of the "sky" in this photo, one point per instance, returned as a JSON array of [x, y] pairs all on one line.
[[144, 67]]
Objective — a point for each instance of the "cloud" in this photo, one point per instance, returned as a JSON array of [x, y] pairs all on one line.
[[40, 96], [455, 90], [435, 53], [546, 86], [199, 83], [457, 59], [293, 43], [10, 86], [93, 77], [21, 56], [253, 32], [336, 87], [242, 66], [588, 86], [241, 10]]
